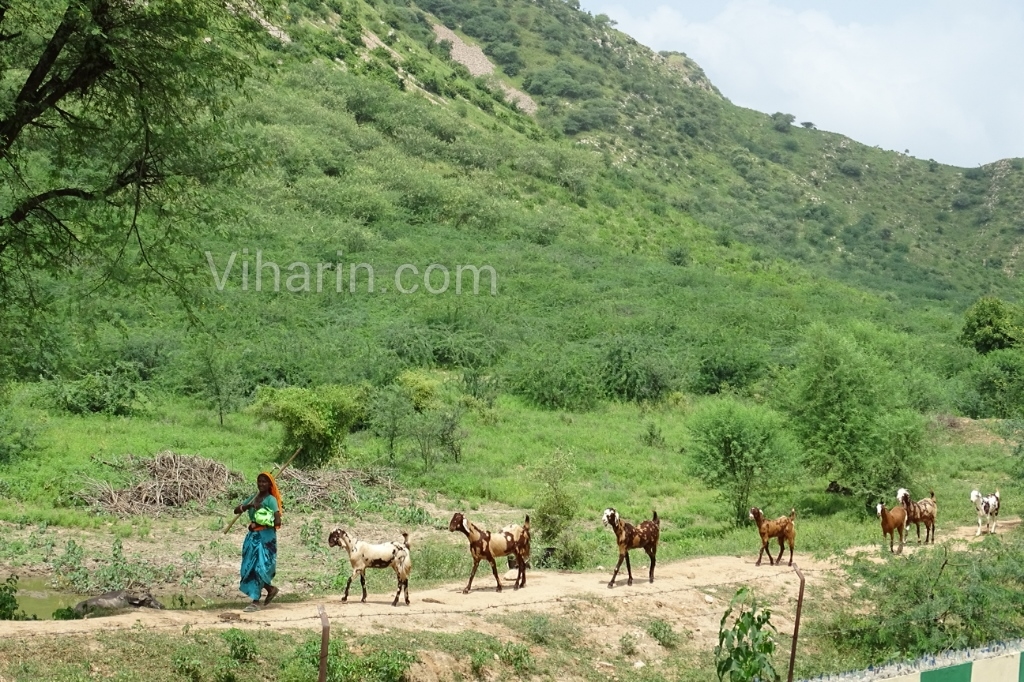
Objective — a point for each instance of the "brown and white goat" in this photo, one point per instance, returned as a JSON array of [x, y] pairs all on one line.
[[925, 511], [483, 544], [628, 537], [894, 522], [783, 528], [363, 555]]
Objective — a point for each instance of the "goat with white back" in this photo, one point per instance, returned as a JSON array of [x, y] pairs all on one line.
[[925, 511], [511, 540], [363, 555], [988, 510]]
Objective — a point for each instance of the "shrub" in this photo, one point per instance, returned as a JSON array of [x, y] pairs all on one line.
[[17, 436], [994, 386], [744, 651], [556, 506], [317, 419], [8, 601], [991, 324], [726, 364], [630, 371], [627, 645], [935, 599], [782, 122], [115, 390], [850, 168], [663, 633], [562, 379], [241, 645], [739, 449]]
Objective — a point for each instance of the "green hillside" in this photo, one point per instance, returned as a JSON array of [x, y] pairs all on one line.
[[584, 279]]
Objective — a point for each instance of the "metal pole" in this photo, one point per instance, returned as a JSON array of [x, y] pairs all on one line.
[[325, 640], [796, 623]]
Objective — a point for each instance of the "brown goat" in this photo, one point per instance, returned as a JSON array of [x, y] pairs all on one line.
[[924, 512], [630, 537], [514, 540], [783, 528], [893, 522]]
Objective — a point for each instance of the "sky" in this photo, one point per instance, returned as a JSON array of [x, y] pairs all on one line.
[[943, 79]]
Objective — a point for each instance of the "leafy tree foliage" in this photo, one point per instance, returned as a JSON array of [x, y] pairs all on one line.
[[318, 420], [849, 416], [745, 650], [782, 122], [991, 324], [740, 449], [108, 116]]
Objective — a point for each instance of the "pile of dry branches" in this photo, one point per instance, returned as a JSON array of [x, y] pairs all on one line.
[[328, 488], [167, 482]]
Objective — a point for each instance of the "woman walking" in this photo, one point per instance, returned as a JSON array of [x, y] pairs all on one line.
[[259, 552]]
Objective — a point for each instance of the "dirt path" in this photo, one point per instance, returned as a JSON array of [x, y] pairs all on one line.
[[691, 594], [694, 592]]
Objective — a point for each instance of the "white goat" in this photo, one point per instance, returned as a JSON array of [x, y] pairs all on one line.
[[363, 555], [988, 509]]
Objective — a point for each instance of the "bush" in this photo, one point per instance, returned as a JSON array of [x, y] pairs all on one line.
[[994, 386], [935, 599], [8, 601], [115, 391], [632, 372], [850, 168], [727, 364], [17, 436], [241, 645], [663, 633], [782, 122], [317, 419], [563, 379], [739, 449], [556, 507], [744, 651]]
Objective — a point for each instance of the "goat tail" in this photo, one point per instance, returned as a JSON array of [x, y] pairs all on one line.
[[405, 539], [792, 514], [933, 495], [654, 517], [526, 523]]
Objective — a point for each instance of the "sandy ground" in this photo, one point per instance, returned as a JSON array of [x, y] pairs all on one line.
[[691, 595]]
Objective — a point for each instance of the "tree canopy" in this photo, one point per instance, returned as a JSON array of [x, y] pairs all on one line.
[[108, 122]]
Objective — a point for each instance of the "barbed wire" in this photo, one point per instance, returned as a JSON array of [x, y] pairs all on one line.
[[585, 596]]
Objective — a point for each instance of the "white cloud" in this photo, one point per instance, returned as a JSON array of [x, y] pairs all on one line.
[[941, 79]]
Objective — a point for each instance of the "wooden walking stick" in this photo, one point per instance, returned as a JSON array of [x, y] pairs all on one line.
[[279, 470]]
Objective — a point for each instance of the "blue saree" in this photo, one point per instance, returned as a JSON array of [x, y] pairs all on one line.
[[259, 555]]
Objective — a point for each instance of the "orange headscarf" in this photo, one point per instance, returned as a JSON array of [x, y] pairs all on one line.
[[275, 491]]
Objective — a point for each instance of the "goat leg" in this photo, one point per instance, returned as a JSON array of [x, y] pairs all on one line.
[[651, 553], [399, 592], [761, 554], [494, 569], [782, 548], [347, 585], [476, 562], [629, 570], [406, 584], [362, 581], [611, 583]]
